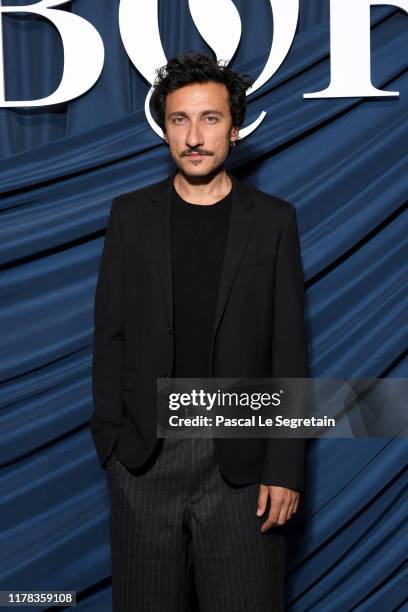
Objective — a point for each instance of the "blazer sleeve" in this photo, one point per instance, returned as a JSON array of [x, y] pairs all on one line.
[[284, 457], [107, 359]]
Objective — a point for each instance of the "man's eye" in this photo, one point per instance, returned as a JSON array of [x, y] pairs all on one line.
[[178, 119], [211, 118]]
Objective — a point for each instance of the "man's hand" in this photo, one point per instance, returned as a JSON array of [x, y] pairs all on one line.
[[284, 503]]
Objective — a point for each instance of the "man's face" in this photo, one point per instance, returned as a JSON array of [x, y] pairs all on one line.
[[198, 127]]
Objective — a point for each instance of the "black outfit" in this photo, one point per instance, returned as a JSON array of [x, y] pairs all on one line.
[[207, 524], [245, 319], [198, 235], [180, 513], [258, 326]]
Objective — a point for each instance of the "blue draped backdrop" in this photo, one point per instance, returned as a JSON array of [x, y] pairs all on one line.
[[341, 162]]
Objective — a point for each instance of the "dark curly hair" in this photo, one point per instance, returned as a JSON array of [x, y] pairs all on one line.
[[196, 67]]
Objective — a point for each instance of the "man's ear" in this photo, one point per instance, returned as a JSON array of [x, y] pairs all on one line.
[[234, 133]]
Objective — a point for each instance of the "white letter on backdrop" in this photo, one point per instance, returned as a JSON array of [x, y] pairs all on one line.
[[84, 53], [350, 50]]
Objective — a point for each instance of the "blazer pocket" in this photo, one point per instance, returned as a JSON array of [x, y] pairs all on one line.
[[129, 379]]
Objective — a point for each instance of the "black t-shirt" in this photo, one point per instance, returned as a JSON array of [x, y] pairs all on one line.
[[198, 236]]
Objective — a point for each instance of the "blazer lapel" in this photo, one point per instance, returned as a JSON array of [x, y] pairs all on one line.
[[159, 227], [240, 226]]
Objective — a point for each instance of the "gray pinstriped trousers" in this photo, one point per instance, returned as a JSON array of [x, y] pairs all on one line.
[[178, 512]]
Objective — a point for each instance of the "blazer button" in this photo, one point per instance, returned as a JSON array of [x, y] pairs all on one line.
[[170, 328]]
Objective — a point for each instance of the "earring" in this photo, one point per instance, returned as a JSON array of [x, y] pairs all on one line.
[[233, 143]]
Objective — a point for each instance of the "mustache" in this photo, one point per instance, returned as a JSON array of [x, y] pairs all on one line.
[[201, 151]]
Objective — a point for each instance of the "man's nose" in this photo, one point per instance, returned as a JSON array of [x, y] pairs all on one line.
[[194, 136]]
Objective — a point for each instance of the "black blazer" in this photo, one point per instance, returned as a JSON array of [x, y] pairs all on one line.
[[258, 325]]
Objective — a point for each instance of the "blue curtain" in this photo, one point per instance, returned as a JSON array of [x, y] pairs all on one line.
[[342, 162]]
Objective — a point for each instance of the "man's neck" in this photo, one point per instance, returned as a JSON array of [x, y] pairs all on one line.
[[203, 190]]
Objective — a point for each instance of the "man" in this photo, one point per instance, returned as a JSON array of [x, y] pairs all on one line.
[[200, 276]]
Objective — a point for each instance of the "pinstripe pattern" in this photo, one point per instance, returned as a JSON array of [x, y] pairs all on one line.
[[177, 511]]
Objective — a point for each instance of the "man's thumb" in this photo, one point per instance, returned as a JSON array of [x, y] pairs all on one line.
[[262, 499]]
